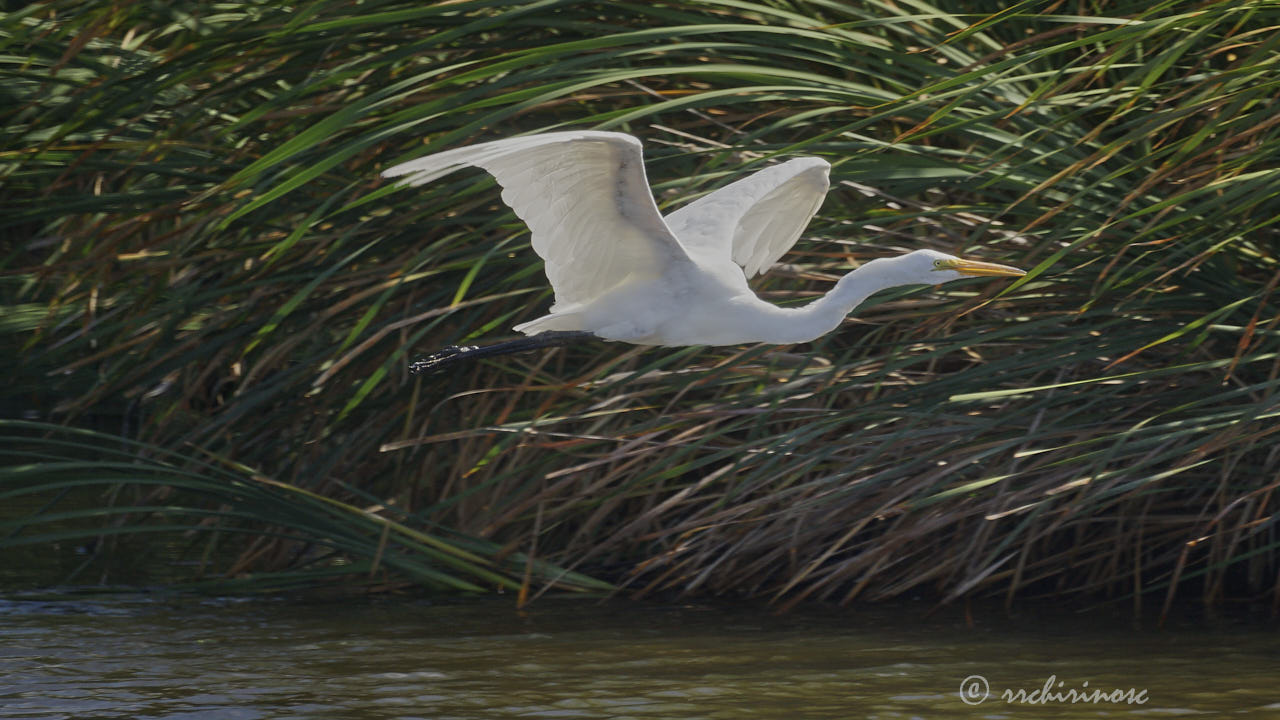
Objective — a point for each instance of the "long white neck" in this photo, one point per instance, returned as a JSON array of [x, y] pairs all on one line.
[[794, 325]]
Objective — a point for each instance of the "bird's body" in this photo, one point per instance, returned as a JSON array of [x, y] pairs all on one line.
[[621, 271]]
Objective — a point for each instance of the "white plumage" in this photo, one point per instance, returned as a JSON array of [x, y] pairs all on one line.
[[621, 271], [757, 219]]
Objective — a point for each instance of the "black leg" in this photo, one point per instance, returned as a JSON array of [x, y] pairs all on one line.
[[441, 359]]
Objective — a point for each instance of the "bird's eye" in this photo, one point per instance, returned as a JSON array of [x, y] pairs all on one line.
[[937, 264]]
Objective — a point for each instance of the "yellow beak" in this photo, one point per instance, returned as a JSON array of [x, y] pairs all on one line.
[[978, 268]]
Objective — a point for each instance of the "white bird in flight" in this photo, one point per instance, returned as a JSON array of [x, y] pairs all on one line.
[[623, 272]]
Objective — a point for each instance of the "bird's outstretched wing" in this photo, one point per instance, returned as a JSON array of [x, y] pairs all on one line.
[[583, 195], [755, 220]]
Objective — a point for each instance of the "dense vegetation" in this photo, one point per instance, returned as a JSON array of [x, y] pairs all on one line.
[[210, 300]]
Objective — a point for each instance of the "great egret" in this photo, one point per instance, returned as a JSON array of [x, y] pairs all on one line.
[[621, 271]]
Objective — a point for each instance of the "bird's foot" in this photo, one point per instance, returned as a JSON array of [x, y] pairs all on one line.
[[438, 360]]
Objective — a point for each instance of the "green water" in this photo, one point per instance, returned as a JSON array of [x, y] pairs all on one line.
[[137, 657]]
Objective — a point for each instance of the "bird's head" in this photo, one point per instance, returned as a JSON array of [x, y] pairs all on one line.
[[934, 268]]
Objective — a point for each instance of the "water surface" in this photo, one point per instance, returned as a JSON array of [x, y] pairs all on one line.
[[141, 657]]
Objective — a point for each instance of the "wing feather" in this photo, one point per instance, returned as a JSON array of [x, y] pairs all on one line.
[[756, 220], [583, 195]]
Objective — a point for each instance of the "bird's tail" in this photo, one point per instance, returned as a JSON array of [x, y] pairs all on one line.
[[555, 322]]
